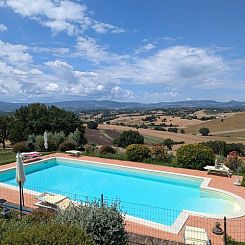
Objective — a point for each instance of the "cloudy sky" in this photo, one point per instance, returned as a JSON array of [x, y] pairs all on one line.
[[124, 50]]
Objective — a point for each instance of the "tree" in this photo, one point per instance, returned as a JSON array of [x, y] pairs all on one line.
[[168, 143], [36, 118], [137, 152], [128, 138], [204, 131], [182, 131], [218, 147], [92, 125], [195, 156], [4, 129], [174, 130]]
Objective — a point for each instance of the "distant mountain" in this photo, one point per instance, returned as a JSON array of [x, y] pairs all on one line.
[[106, 104]]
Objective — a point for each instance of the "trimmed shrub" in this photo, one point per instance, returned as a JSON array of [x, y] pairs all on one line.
[[106, 150], [21, 147], [159, 152], [39, 233], [128, 138], [67, 146], [105, 223], [137, 152], [195, 156]]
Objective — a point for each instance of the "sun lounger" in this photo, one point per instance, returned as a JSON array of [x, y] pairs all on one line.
[[30, 155], [196, 236], [219, 169], [53, 201], [74, 153]]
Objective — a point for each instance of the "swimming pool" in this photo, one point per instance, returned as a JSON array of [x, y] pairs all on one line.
[[170, 192]]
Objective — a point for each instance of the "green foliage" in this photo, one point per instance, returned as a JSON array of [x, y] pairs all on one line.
[[36, 118], [105, 223], [168, 143], [20, 147], [17, 232], [67, 146], [92, 125], [218, 147], [5, 122], [128, 138], [195, 156], [204, 131], [174, 130], [137, 152], [239, 148], [90, 149], [231, 241], [58, 137], [107, 149], [159, 152]]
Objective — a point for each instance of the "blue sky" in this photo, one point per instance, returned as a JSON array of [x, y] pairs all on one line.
[[124, 50]]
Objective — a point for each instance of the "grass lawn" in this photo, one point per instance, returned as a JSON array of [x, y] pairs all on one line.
[[6, 156]]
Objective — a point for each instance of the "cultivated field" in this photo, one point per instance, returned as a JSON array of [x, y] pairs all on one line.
[[101, 136], [231, 127], [132, 120]]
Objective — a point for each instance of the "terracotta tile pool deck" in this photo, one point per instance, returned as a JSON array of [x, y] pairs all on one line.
[[235, 227]]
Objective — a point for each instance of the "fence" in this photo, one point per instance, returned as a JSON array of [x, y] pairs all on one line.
[[165, 224]]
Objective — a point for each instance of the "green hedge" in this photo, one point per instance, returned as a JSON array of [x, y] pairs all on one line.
[[137, 152], [195, 156], [16, 233]]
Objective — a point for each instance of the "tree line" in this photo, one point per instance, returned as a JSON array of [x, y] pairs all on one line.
[[34, 119]]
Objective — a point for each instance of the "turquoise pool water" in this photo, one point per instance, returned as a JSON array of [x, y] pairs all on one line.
[[171, 194]]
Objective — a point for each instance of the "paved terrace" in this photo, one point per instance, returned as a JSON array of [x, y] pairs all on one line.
[[235, 227]]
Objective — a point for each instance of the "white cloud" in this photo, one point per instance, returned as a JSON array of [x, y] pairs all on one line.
[[3, 27], [88, 47], [145, 48], [178, 65], [14, 54], [60, 15]]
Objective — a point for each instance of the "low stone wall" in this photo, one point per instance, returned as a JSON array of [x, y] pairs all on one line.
[[135, 239]]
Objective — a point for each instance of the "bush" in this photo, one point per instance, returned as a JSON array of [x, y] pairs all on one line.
[[21, 147], [168, 143], [107, 149], [92, 125], [128, 138], [182, 131], [174, 130], [39, 233], [204, 131], [195, 156], [137, 152], [159, 152], [104, 223], [67, 146], [218, 147], [90, 149], [159, 128], [239, 147]]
